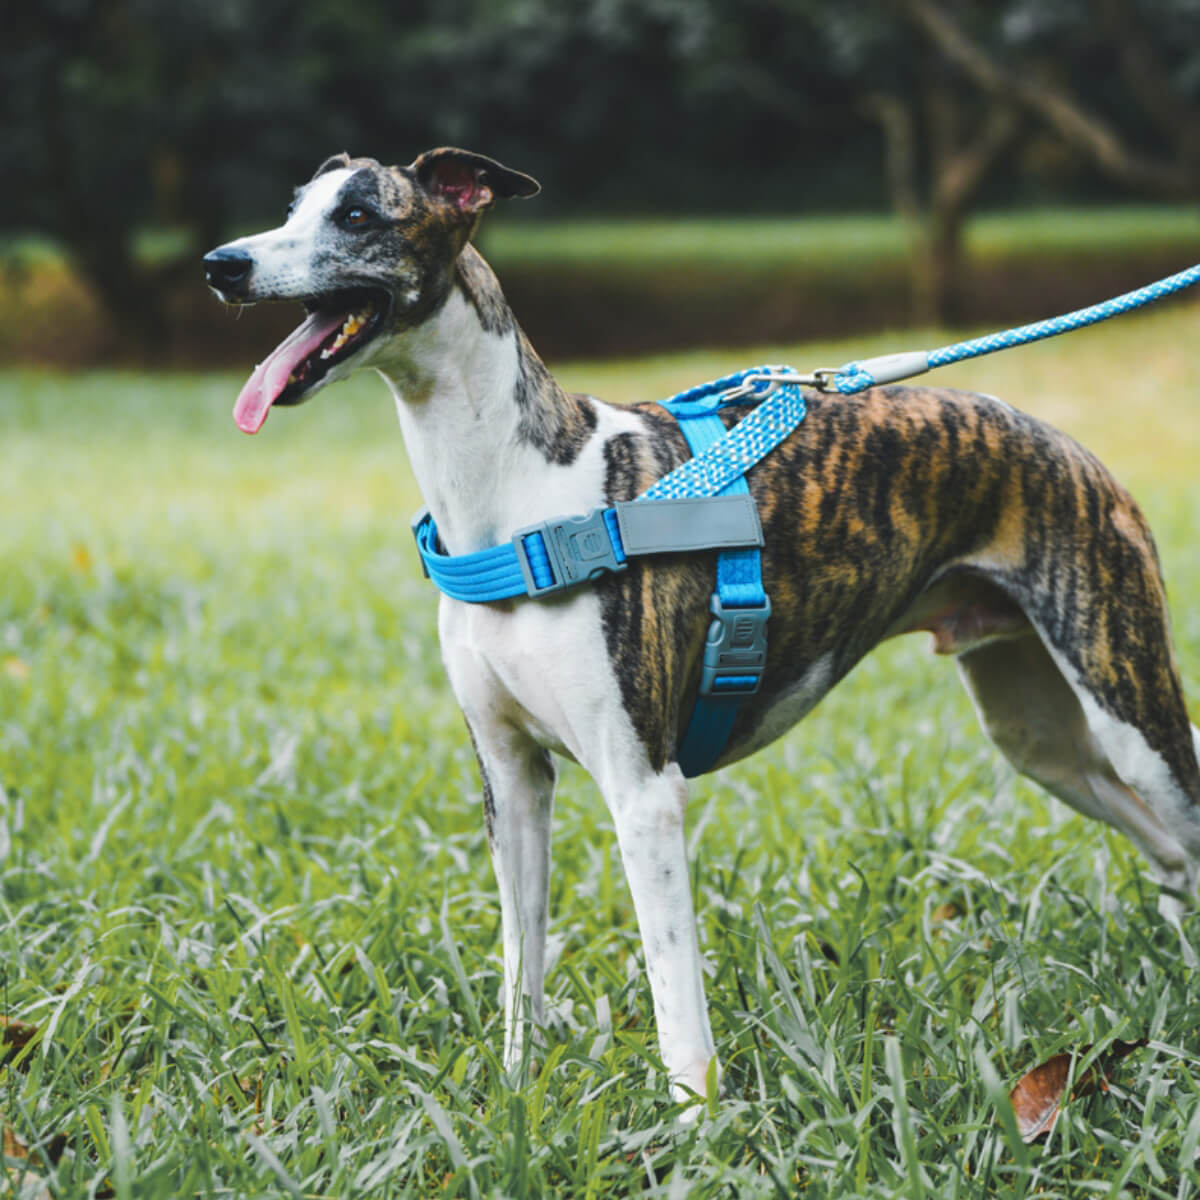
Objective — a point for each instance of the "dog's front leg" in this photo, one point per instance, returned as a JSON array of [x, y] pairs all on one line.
[[518, 793], [648, 813]]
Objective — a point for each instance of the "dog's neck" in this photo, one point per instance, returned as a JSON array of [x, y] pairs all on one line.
[[482, 417]]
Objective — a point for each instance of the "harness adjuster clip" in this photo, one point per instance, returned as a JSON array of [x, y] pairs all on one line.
[[576, 549], [417, 525], [735, 651]]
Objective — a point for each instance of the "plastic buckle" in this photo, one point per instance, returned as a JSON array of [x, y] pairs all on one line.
[[735, 652], [577, 549]]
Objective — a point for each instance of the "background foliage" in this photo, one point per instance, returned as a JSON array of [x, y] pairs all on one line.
[[195, 118]]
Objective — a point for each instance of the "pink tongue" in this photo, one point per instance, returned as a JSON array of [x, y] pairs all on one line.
[[270, 377]]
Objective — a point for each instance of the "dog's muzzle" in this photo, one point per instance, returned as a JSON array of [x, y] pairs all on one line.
[[227, 270]]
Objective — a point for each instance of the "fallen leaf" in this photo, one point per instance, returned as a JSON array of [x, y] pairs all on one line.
[[1038, 1097], [23, 1183], [11, 1145], [14, 1037]]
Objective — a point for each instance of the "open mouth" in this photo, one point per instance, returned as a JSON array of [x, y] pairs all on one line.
[[338, 326]]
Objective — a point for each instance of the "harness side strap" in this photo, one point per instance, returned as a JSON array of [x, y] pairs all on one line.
[[735, 647]]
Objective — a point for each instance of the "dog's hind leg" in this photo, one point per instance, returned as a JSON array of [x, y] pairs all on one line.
[[518, 795], [1098, 765]]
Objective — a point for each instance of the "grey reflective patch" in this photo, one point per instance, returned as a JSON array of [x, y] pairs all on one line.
[[694, 523]]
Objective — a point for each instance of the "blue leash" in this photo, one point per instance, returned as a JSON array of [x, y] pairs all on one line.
[[856, 376], [704, 504]]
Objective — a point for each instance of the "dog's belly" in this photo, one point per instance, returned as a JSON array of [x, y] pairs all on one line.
[[962, 609], [792, 704]]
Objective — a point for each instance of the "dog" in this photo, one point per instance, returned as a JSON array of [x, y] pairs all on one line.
[[896, 510]]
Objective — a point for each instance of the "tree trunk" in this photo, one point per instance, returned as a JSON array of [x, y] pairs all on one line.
[[898, 125], [958, 165], [1174, 176]]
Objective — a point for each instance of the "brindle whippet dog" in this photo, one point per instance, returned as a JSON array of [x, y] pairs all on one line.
[[895, 510]]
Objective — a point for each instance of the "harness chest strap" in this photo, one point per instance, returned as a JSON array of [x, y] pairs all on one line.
[[735, 650], [565, 551], [704, 504]]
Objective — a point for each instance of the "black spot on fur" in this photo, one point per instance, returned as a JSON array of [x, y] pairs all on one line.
[[365, 189], [556, 423], [489, 798], [475, 280]]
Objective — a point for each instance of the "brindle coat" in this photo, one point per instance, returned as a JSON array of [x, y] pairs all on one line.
[[901, 509]]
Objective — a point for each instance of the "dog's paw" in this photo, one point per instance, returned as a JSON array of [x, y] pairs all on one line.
[[699, 1089]]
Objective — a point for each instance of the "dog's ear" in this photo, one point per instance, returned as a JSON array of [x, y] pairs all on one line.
[[469, 182], [332, 163]]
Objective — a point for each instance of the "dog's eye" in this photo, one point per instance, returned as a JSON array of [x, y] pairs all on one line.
[[350, 217]]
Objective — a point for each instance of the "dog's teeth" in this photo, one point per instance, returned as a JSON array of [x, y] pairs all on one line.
[[353, 324]]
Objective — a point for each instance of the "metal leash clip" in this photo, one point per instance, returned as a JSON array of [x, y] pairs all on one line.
[[751, 381], [822, 378]]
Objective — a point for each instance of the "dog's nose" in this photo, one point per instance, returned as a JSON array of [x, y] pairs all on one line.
[[227, 268]]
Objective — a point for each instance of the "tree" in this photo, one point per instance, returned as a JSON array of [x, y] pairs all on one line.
[[200, 115], [963, 86], [1149, 140], [128, 115]]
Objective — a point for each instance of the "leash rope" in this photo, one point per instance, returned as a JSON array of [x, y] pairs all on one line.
[[705, 504], [888, 368]]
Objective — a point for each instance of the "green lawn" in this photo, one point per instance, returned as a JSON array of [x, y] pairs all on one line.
[[852, 242], [244, 888]]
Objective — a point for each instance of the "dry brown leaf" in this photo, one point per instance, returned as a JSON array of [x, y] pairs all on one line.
[[25, 1184], [14, 1037], [12, 1145], [1038, 1096]]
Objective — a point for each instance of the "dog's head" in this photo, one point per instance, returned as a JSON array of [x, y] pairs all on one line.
[[369, 250]]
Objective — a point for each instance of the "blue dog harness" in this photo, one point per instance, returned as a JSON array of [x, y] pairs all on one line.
[[704, 504]]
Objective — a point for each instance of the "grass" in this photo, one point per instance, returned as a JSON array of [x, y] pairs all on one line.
[[619, 287], [244, 889], [855, 241], [517, 237]]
